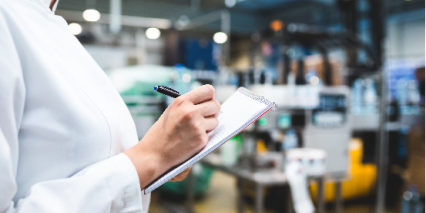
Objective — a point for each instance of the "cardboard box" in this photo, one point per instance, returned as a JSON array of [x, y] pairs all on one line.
[[416, 140], [416, 172], [416, 157]]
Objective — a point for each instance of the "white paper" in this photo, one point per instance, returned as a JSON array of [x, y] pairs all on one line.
[[238, 111]]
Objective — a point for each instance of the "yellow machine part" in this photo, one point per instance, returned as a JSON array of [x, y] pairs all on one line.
[[261, 147], [361, 178]]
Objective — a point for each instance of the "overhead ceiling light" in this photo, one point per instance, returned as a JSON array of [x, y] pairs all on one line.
[[220, 37], [182, 22], [75, 28], [314, 80], [230, 3], [153, 33], [186, 78], [91, 15]]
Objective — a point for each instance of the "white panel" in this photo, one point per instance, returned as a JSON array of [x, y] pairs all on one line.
[[108, 57], [336, 147], [406, 39]]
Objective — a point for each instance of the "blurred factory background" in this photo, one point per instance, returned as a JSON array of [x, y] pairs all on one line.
[[348, 77]]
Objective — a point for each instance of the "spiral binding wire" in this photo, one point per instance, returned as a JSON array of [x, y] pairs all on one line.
[[257, 97]]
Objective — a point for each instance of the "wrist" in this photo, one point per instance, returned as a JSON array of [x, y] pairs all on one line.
[[147, 164]]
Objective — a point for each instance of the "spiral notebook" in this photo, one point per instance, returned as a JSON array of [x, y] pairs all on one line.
[[237, 112]]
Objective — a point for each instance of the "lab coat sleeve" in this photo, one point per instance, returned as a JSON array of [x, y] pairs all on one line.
[[111, 185], [108, 186]]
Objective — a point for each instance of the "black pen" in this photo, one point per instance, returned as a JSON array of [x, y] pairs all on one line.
[[167, 91]]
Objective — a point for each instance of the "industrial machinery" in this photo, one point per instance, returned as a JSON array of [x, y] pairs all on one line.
[[328, 127], [317, 116]]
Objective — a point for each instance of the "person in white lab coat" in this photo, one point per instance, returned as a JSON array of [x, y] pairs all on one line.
[[67, 140]]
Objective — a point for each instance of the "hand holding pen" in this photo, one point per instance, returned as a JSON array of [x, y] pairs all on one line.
[[179, 133]]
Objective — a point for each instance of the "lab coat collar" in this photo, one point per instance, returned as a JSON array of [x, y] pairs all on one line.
[[54, 6], [46, 4]]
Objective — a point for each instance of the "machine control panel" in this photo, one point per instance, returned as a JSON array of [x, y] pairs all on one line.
[[331, 111]]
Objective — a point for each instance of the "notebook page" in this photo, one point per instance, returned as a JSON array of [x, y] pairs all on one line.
[[236, 113]]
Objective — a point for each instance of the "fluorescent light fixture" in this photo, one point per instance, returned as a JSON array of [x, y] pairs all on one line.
[[91, 15], [220, 37], [230, 3], [75, 28], [153, 33]]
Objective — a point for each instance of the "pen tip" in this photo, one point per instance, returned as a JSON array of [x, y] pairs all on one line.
[[155, 88]]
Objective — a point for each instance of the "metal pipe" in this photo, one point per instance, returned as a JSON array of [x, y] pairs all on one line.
[[382, 157], [225, 18], [190, 196], [338, 196], [259, 198], [201, 21], [378, 15], [320, 202], [115, 19], [240, 188]]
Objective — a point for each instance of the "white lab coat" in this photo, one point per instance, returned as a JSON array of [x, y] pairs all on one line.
[[62, 123]]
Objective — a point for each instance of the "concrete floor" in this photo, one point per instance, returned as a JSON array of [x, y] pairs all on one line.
[[222, 197]]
